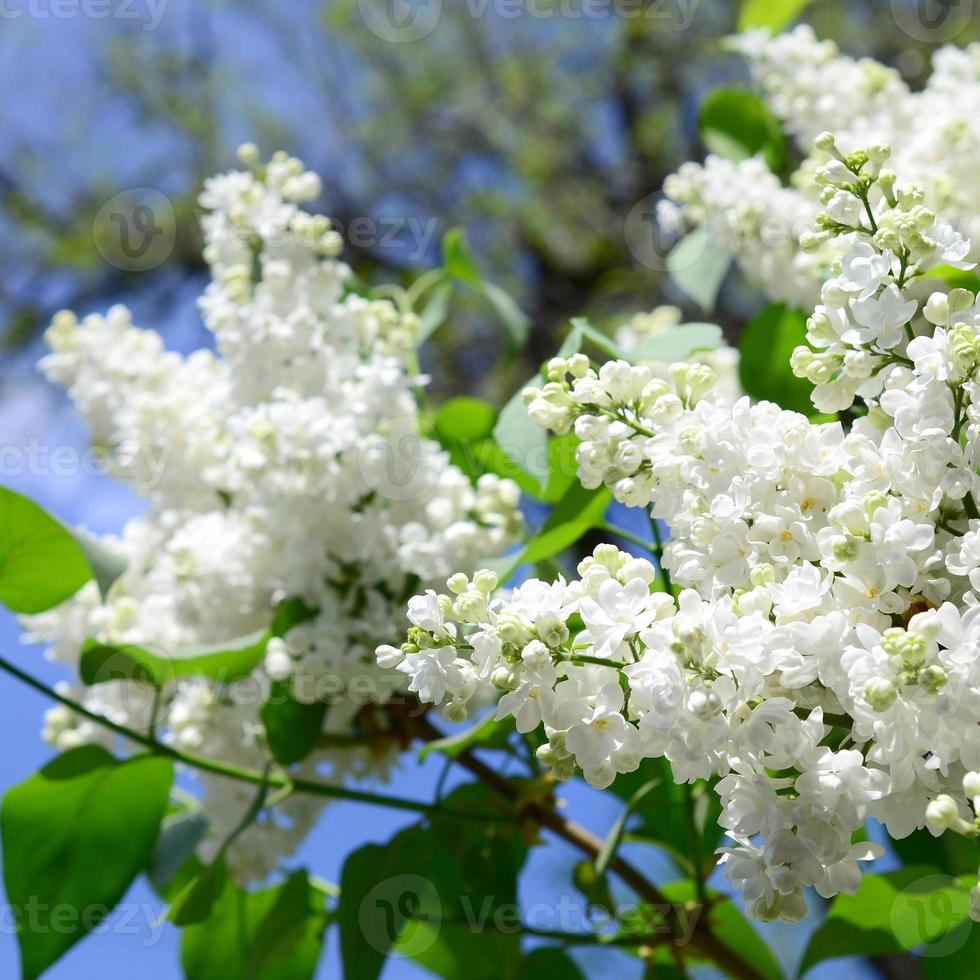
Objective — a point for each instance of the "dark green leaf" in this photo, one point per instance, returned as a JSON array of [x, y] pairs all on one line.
[[194, 903], [767, 344], [223, 662], [435, 895], [75, 835], [275, 934], [549, 963], [951, 853], [292, 728], [291, 612], [737, 124]]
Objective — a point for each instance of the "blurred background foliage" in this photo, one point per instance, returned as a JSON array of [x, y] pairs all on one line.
[[537, 134]]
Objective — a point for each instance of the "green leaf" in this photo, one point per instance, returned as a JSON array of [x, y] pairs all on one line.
[[434, 895], [275, 934], [292, 728], [514, 320], [891, 913], [951, 853], [661, 816], [459, 264], [767, 344], [698, 267], [955, 278], [615, 835], [434, 312], [75, 835], [42, 563], [562, 467], [458, 261], [174, 851], [774, 14], [488, 733], [194, 903], [465, 419], [730, 927], [737, 124], [549, 963], [222, 662], [576, 513], [521, 438], [105, 565], [679, 343]]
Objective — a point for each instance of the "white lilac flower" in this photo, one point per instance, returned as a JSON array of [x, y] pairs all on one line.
[[289, 463], [827, 573]]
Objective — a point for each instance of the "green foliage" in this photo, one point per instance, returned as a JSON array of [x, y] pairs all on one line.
[[488, 733], [773, 14], [679, 343], [549, 963], [291, 727], [275, 934], [767, 343], [42, 562], [223, 662], [737, 124], [680, 819], [460, 266], [729, 926], [698, 267], [893, 913], [436, 894], [75, 835]]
